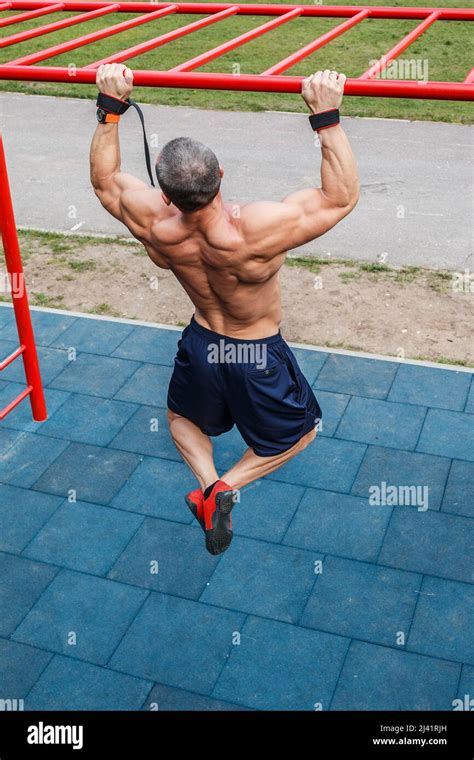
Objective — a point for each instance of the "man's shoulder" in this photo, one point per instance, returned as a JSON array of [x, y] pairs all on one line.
[[260, 219]]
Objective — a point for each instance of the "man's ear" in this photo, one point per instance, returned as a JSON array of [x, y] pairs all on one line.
[[166, 199], [221, 171]]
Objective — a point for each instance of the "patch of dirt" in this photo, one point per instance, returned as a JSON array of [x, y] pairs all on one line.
[[375, 313], [407, 313]]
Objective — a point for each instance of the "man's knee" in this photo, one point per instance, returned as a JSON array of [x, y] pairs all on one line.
[[172, 416]]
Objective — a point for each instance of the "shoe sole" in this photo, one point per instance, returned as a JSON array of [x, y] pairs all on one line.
[[219, 537]]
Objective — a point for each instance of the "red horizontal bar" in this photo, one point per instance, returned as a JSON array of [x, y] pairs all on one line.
[[55, 26], [88, 39], [247, 82], [226, 47], [144, 47], [257, 9], [11, 406], [294, 58], [30, 14], [16, 353], [5, 6], [381, 64]]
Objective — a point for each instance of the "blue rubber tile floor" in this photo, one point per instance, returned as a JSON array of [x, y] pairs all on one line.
[[380, 678], [20, 667], [151, 560], [458, 497], [470, 399], [169, 699], [349, 583], [85, 687], [20, 418]]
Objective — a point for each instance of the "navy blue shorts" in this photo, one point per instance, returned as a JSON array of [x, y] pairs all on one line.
[[255, 384]]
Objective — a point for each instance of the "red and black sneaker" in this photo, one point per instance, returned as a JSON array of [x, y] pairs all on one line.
[[195, 502], [217, 517]]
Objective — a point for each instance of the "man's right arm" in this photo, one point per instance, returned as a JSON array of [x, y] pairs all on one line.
[[272, 228]]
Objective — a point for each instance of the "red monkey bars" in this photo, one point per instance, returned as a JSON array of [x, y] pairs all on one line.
[[27, 348], [369, 83]]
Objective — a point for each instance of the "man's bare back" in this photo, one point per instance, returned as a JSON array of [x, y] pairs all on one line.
[[227, 257], [233, 291]]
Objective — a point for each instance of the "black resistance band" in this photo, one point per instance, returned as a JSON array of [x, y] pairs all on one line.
[[111, 104]]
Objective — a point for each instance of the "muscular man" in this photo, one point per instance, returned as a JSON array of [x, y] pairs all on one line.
[[232, 365]]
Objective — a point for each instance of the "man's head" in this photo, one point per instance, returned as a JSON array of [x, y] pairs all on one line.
[[188, 173]]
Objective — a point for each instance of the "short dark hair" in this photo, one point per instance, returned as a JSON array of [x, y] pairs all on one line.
[[188, 173]]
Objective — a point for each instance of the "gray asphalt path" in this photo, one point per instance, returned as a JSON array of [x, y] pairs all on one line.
[[417, 183]]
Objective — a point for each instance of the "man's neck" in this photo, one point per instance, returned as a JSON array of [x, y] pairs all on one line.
[[205, 216]]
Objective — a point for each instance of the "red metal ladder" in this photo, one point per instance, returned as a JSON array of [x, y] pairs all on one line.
[[27, 347], [184, 75]]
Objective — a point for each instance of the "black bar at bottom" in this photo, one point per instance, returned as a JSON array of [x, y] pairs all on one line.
[[375, 734]]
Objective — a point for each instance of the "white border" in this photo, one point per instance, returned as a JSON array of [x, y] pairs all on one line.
[[308, 346]]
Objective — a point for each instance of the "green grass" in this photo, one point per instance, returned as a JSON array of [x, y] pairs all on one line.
[[446, 46], [52, 302], [349, 276], [344, 346], [372, 267], [82, 266], [62, 242], [314, 263], [105, 309], [438, 280], [445, 360], [407, 274]]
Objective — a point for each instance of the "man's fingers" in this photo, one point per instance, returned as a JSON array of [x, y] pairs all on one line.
[[316, 78], [306, 84], [114, 78], [98, 77]]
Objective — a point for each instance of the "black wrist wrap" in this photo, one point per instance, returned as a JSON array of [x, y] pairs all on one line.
[[324, 119], [111, 104]]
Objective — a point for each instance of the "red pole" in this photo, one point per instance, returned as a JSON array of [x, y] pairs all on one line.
[[226, 47], [294, 58], [64, 23], [262, 9], [20, 17], [144, 47], [251, 82], [87, 39], [410, 38], [470, 77], [19, 296], [11, 406]]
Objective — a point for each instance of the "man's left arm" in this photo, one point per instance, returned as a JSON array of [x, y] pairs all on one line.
[[124, 196]]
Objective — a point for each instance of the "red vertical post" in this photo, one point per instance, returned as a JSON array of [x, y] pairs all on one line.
[[19, 297]]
